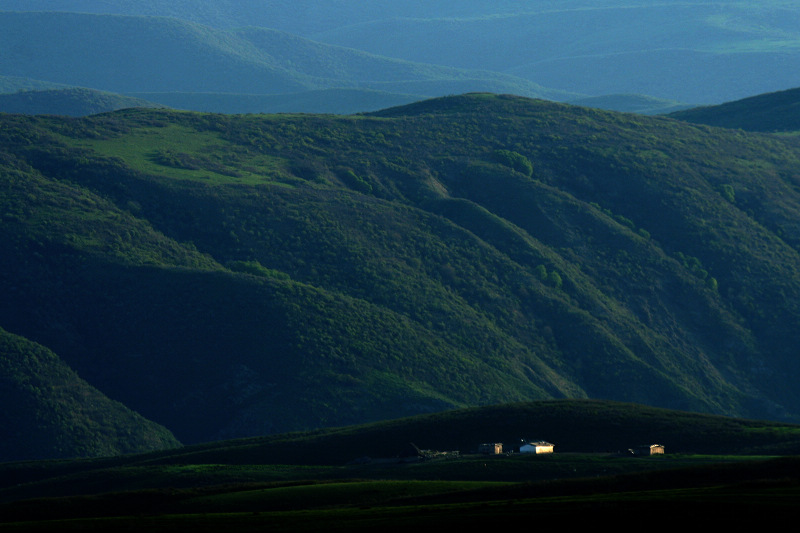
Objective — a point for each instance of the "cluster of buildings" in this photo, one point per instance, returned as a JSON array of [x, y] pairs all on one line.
[[496, 448], [651, 449], [528, 447], [538, 447]]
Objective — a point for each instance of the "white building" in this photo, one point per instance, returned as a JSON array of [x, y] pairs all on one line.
[[536, 447]]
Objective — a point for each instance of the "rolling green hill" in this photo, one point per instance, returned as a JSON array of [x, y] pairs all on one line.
[[772, 112], [573, 426], [231, 276]]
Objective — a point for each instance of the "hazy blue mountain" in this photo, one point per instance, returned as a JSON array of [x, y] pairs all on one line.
[[692, 52], [303, 17], [340, 101], [696, 52], [155, 54], [74, 102]]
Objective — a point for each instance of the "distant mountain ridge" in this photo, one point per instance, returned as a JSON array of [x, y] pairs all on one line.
[[71, 102], [135, 54], [696, 52], [690, 52], [338, 101], [302, 17]]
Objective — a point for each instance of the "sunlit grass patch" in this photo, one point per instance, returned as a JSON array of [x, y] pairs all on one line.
[[184, 153]]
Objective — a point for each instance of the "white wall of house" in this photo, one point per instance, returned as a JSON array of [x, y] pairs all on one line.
[[536, 448]]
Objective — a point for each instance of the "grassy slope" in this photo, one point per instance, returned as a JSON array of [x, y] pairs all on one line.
[[380, 266], [726, 493]]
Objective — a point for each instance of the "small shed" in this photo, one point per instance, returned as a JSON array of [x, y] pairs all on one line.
[[494, 448], [537, 447], [648, 449]]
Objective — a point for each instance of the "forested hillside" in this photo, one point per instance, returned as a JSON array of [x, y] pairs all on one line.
[[241, 275], [49, 412]]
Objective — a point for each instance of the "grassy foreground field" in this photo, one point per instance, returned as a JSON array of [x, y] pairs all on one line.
[[323, 479], [580, 488]]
